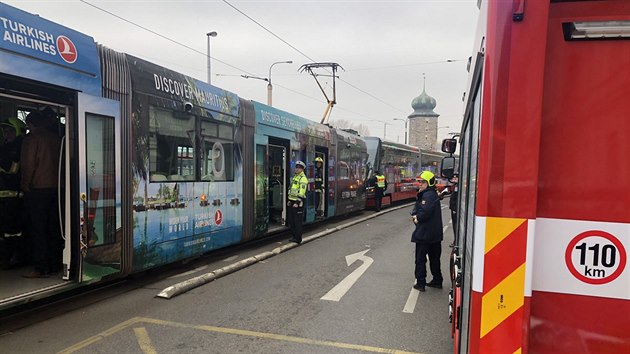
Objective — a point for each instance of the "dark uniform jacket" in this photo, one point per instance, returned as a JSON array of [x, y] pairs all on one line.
[[40, 159], [10, 165], [429, 214]]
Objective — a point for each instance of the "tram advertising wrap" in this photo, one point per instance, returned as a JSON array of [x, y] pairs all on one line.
[[156, 167]]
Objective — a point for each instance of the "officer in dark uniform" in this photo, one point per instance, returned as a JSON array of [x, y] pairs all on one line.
[[380, 186], [14, 245], [428, 234]]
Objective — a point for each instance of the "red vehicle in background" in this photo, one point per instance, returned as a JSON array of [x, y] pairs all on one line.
[[400, 163], [541, 266]]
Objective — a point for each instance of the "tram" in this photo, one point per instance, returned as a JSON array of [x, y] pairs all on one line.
[[399, 163], [542, 244], [156, 167]]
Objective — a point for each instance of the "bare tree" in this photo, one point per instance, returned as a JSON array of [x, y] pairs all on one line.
[[362, 129]]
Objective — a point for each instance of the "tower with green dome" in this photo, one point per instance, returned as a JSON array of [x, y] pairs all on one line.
[[423, 122]]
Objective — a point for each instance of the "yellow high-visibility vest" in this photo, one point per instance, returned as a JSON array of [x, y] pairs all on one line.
[[297, 191], [380, 181]]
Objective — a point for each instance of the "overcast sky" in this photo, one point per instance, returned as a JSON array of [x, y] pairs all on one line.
[[384, 46]]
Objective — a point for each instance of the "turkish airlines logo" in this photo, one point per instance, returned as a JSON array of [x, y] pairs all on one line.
[[218, 217], [67, 49]]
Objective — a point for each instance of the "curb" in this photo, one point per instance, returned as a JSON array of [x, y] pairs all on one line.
[[192, 283]]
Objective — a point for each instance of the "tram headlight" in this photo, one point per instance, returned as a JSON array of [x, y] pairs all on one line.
[[188, 107]]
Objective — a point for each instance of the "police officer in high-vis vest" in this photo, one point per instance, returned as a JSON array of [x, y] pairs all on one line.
[[380, 186], [319, 186], [297, 199]]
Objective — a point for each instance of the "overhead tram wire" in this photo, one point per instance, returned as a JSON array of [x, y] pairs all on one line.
[[268, 30], [163, 36], [405, 65], [230, 65], [308, 57]]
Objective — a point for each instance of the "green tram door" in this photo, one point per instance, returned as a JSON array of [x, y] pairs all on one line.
[[99, 190]]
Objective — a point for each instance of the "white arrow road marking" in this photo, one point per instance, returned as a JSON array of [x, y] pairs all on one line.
[[411, 301], [336, 293]]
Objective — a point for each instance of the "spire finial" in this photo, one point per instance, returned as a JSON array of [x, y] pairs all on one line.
[[424, 81]]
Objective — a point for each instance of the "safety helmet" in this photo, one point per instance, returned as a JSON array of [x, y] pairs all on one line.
[[300, 163], [319, 159], [427, 176], [16, 124]]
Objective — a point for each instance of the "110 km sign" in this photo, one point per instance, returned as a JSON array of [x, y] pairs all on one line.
[[595, 257]]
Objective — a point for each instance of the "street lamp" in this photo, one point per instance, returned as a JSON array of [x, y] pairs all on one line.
[[437, 144], [405, 120], [269, 87], [384, 126], [209, 34]]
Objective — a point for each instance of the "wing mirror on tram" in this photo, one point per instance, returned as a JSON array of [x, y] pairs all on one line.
[[448, 166], [449, 145]]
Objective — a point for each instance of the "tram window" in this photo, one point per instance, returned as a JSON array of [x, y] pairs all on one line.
[[225, 132], [217, 160], [171, 146], [344, 171]]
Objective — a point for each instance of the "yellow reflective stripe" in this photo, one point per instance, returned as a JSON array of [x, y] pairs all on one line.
[[9, 194], [503, 300], [499, 228], [15, 168]]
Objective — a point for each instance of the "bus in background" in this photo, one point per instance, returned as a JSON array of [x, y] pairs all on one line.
[[400, 163], [541, 266]]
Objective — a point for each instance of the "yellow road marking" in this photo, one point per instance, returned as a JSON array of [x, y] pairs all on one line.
[[241, 332], [98, 337], [144, 341]]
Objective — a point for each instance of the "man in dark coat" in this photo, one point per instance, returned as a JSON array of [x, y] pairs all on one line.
[[428, 234], [39, 160]]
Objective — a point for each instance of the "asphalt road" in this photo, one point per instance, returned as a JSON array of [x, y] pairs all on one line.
[[304, 300]]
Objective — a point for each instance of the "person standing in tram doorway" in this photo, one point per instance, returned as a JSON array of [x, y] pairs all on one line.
[[428, 234], [13, 243], [297, 199], [319, 187], [380, 186], [40, 158]]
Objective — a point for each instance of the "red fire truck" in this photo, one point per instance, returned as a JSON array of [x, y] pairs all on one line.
[[540, 261]]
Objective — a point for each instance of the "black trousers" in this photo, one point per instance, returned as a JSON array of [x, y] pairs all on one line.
[[295, 215], [43, 228], [434, 252], [378, 198], [14, 247]]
